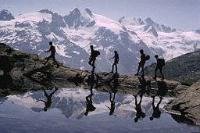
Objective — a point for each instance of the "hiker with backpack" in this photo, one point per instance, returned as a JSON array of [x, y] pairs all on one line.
[[93, 55], [159, 66], [116, 61], [143, 59], [52, 49]]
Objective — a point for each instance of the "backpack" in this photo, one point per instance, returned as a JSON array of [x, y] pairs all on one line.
[[96, 53], [161, 62], [147, 57]]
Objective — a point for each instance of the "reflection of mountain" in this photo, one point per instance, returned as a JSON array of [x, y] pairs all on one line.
[[73, 33], [71, 102]]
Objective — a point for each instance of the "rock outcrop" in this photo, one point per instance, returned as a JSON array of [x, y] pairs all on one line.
[[187, 104]]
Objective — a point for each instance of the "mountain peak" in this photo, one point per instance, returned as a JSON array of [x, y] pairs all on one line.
[[46, 11], [149, 21], [75, 12], [5, 15], [131, 21], [87, 10]]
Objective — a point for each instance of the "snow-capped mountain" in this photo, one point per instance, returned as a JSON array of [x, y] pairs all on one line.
[[161, 39], [5, 15], [74, 33]]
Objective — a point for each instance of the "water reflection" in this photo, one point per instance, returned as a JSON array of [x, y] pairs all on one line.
[[156, 108], [114, 83], [66, 107], [87, 110], [89, 104], [139, 113], [48, 100]]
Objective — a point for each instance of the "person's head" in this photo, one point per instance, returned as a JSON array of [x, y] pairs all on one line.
[[141, 51], [151, 118], [156, 56], [115, 52], [50, 43], [91, 47]]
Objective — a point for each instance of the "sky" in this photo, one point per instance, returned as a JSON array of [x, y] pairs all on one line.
[[180, 14]]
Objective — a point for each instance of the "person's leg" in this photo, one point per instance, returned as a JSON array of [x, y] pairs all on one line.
[[93, 62], [47, 59], [155, 73], [54, 60], [140, 99], [110, 96], [153, 103], [142, 70], [114, 96], [159, 102], [116, 68], [135, 100], [112, 68], [161, 73], [138, 70], [90, 61]]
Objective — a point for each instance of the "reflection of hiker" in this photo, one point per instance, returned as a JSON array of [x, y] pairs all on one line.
[[143, 59], [156, 109], [48, 102], [52, 49], [112, 102], [94, 54], [89, 105], [144, 84], [138, 108], [116, 61], [159, 66]]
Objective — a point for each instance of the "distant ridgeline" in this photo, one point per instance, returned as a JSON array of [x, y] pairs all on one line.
[[185, 68]]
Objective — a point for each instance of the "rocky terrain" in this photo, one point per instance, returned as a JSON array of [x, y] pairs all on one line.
[[21, 72], [187, 105], [184, 69]]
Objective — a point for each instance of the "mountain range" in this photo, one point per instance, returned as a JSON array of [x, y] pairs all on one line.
[[73, 34]]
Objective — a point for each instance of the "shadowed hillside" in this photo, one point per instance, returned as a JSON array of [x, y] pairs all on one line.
[[185, 68]]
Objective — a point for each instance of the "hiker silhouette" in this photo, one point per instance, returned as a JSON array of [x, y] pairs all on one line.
[[91, 81], [159, 66], [112, 92], [145, 85], [48, 100], [156, 109], [52, 49], [116, 61], [162, 88], [143, 59], [139, 113], [93, 55], [89, 104]]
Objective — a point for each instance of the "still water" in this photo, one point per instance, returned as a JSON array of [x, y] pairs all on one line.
[[64, 111]]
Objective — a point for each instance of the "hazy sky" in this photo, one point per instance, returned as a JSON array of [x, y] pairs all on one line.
[[181, 14]]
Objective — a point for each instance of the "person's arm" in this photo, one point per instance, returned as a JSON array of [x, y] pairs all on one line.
[[48, 50], [112, 57]]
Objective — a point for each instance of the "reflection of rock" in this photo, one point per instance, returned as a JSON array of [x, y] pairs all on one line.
[[187, 104]]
